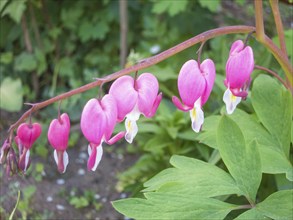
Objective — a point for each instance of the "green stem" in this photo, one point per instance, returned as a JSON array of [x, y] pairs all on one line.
[[259, 24], [243, 207], [15, 207], [279, 25], [273, 74], [281, 57]]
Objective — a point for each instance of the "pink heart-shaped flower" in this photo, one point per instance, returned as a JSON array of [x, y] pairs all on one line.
[[29, 133]]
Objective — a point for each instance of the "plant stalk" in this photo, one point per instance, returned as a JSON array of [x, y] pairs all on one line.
[[279, 25]]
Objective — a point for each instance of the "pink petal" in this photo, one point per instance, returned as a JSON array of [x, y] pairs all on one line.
[[147, 87], [58, 133], [155, 106], [93, 121], [191, 83], [179, 105], [236, 47], [209, 72], [109, 106], [125, 95], [116, 138], [29, 133], [95, 157], [239, 68]]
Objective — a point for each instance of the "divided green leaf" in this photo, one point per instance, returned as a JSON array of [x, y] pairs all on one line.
[[192, 176], [173, 206], [242, 159]]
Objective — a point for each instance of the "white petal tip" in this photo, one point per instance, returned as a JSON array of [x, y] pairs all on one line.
[[131, 130], [197, 117], [65, 161], [98, 157], [231, 101]]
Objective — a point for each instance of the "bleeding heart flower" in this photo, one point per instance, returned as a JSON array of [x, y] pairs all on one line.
[[58, 135], [97, 123], [27, 134], [195, 83], [239, 67], [135, 97]]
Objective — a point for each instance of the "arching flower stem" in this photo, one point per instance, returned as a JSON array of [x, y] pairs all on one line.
[[158, 58]]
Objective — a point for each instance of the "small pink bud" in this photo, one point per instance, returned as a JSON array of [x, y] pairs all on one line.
[[28, 133], [58, 135], [239, 67]]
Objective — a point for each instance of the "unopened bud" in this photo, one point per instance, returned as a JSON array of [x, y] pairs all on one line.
[[11, 167], [4, 151]]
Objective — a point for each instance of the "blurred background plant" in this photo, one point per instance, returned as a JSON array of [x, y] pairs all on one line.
[[49, 47]]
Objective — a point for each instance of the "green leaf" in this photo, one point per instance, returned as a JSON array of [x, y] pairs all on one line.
[[251, 214], [6, 58], [15, 9], [279, 205], [2, 4], [100, 30], [25, 62], [273, 158], [272, 104], [79, 202], [208, 135], [192, 176], [173, 206], [170, 6], [275, 161], [241, 159], [213, 6], [70, 17], [11, 94], [41, 61], [85, 31], [288, 40], [65, 66]]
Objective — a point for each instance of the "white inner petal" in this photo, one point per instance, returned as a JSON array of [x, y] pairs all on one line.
[[89, 150], [231, 101], [98, 156], [130, 124], [56, 157], [27, 157], [65, 160], [197, 116]]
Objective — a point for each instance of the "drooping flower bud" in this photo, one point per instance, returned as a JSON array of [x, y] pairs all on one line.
[[4, 151], [11, 164], [239, 67], [58, 135], [27, 134], [135, 97], [97, 123], [195, 83]]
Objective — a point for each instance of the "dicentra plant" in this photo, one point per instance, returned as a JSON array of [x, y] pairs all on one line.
[[250, 144]]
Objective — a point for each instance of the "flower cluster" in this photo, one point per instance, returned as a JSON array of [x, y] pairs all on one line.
[[196, 80], [127, 99]]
